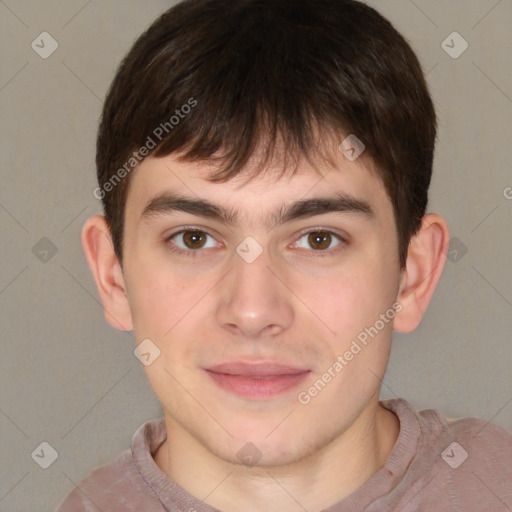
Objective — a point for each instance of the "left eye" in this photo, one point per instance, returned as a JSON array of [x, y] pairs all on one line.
[[319, 240]]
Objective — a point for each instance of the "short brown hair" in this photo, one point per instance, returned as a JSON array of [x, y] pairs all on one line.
[[279, 69]]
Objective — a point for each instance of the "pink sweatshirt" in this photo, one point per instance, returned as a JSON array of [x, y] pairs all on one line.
[[436, 465]]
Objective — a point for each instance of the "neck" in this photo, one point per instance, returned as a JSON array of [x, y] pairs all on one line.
[[314, 483]]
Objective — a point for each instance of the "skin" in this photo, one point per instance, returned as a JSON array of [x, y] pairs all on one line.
[[290, 305]]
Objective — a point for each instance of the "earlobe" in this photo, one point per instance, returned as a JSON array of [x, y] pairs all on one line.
[[107, 272], [425, 261]]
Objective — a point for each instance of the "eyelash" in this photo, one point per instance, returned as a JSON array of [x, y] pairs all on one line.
[[194, 253]]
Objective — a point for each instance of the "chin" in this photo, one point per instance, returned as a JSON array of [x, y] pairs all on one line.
[[262, 451], [250, 456]]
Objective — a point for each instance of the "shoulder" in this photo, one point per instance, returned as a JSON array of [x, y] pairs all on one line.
[[489, 445], [116, 486], [452, 464], [480, 439], [472, 462]]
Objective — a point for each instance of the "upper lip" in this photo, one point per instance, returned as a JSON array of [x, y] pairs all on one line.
[[263, 369]]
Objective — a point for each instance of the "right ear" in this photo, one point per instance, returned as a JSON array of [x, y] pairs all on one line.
[[107, 272]]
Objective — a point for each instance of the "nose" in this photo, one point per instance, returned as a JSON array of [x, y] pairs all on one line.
[[254, 300]]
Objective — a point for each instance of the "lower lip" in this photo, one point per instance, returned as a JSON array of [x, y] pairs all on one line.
[[257, 388]]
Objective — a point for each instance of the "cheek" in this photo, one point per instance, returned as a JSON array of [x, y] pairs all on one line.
[[175, 313], [348, 299], [158, 300]]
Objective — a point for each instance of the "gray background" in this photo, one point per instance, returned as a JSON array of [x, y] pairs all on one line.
[[69, 379]]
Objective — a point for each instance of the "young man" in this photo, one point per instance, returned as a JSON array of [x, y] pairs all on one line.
[[264, 168]]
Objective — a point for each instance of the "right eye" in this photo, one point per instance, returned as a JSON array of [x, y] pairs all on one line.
[[188, 242]]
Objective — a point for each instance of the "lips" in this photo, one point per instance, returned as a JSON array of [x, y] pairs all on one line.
[[256, 380], [256, 370]]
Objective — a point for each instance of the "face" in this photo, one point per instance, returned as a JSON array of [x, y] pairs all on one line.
[[258, 301]]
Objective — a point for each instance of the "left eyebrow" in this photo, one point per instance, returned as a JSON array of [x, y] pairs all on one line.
[[341, 203]]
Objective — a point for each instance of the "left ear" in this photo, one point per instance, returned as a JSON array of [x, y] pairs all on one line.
[[425, 261]]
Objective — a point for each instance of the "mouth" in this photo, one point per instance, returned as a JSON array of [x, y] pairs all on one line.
[[256, 381]]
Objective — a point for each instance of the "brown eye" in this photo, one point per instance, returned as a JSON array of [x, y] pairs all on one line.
[[194, 239], [189, 242], [319, 240]]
